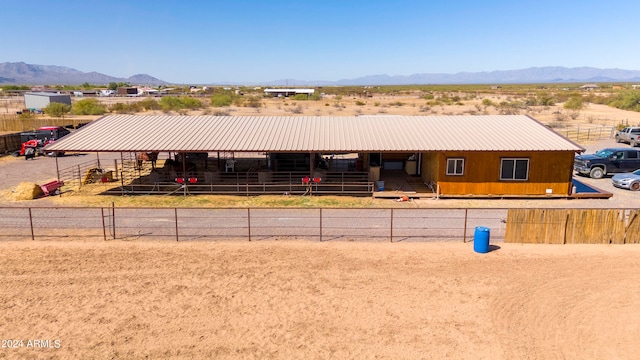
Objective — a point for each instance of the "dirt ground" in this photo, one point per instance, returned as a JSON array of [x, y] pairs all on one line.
[[295, 300]]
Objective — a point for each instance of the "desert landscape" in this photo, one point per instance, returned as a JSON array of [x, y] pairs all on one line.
[[319, 300], [337, 299]]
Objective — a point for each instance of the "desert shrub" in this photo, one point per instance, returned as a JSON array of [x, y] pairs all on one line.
[[119, 108], [377, 103], [173, 103], [544, 98], [190, 103], [510, 107], [253, 102], [149, 104], [574, 103], [561, 116], [299, 97], [220, 100], [56, 109], [220, 113], [487, 102], [296, 110], [428, 97], [88, 107], [26, 115], [629, 100], [360, 103]]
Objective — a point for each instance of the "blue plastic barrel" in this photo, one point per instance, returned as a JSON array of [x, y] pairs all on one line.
[[380, 185], [481, 239]]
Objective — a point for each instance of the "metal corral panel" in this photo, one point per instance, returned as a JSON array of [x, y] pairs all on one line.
[[42, 100], [379, 133]]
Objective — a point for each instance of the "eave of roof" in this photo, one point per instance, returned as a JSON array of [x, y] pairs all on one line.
[[379, 133]]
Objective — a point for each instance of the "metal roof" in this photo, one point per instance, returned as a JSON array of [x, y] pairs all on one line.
[[374, 133]]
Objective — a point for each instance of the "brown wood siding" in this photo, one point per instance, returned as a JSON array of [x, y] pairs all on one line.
[[547, 170], [429, 167]]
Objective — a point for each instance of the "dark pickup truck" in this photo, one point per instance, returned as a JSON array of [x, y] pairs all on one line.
[[607, 161]]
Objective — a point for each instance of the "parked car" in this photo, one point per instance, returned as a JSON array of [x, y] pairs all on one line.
[[607, 161], [629, 181]]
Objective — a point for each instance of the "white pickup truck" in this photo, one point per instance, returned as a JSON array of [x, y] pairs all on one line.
[[630, 135]]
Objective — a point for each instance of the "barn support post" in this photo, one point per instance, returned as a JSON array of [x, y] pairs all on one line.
[[98, 160], [31, 224], [58, 175], [122, 174], [184, 174], [79, 177]]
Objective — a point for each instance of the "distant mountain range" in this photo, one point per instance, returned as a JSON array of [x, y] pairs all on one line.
[[533, 75], [28, 74]]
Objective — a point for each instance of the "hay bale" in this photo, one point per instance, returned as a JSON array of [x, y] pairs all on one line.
[[27, 191]]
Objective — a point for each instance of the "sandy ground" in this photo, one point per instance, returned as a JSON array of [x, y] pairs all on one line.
[[295, 300]]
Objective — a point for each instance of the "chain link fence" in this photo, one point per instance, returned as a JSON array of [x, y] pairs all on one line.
[[249, 224]]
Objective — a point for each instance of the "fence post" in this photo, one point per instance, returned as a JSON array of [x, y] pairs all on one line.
[[113, 219], [249, 222], [31, 225], [464, 236], [175, 216], [391, 227], [104, 229], [320, 224]]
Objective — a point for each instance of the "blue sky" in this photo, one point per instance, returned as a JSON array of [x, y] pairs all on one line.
[[238, 41]]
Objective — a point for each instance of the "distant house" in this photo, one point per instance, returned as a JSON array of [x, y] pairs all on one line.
[[589, 86], [635, 86], [40, 100], [127, 91], [288, 92]]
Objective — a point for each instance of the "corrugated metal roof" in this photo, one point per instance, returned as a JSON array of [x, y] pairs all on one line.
[[376, 133]]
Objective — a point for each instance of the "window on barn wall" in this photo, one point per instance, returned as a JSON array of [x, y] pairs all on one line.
[[455, 166], [514, 169]]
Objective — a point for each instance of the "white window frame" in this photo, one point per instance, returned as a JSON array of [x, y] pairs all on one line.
[[455, 167], [513, 175]]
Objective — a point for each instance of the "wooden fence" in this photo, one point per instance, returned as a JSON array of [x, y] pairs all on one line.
[[32, 122], [573, 226]]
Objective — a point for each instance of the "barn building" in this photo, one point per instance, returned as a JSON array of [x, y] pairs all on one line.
[[462, 156], [40, 100]]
